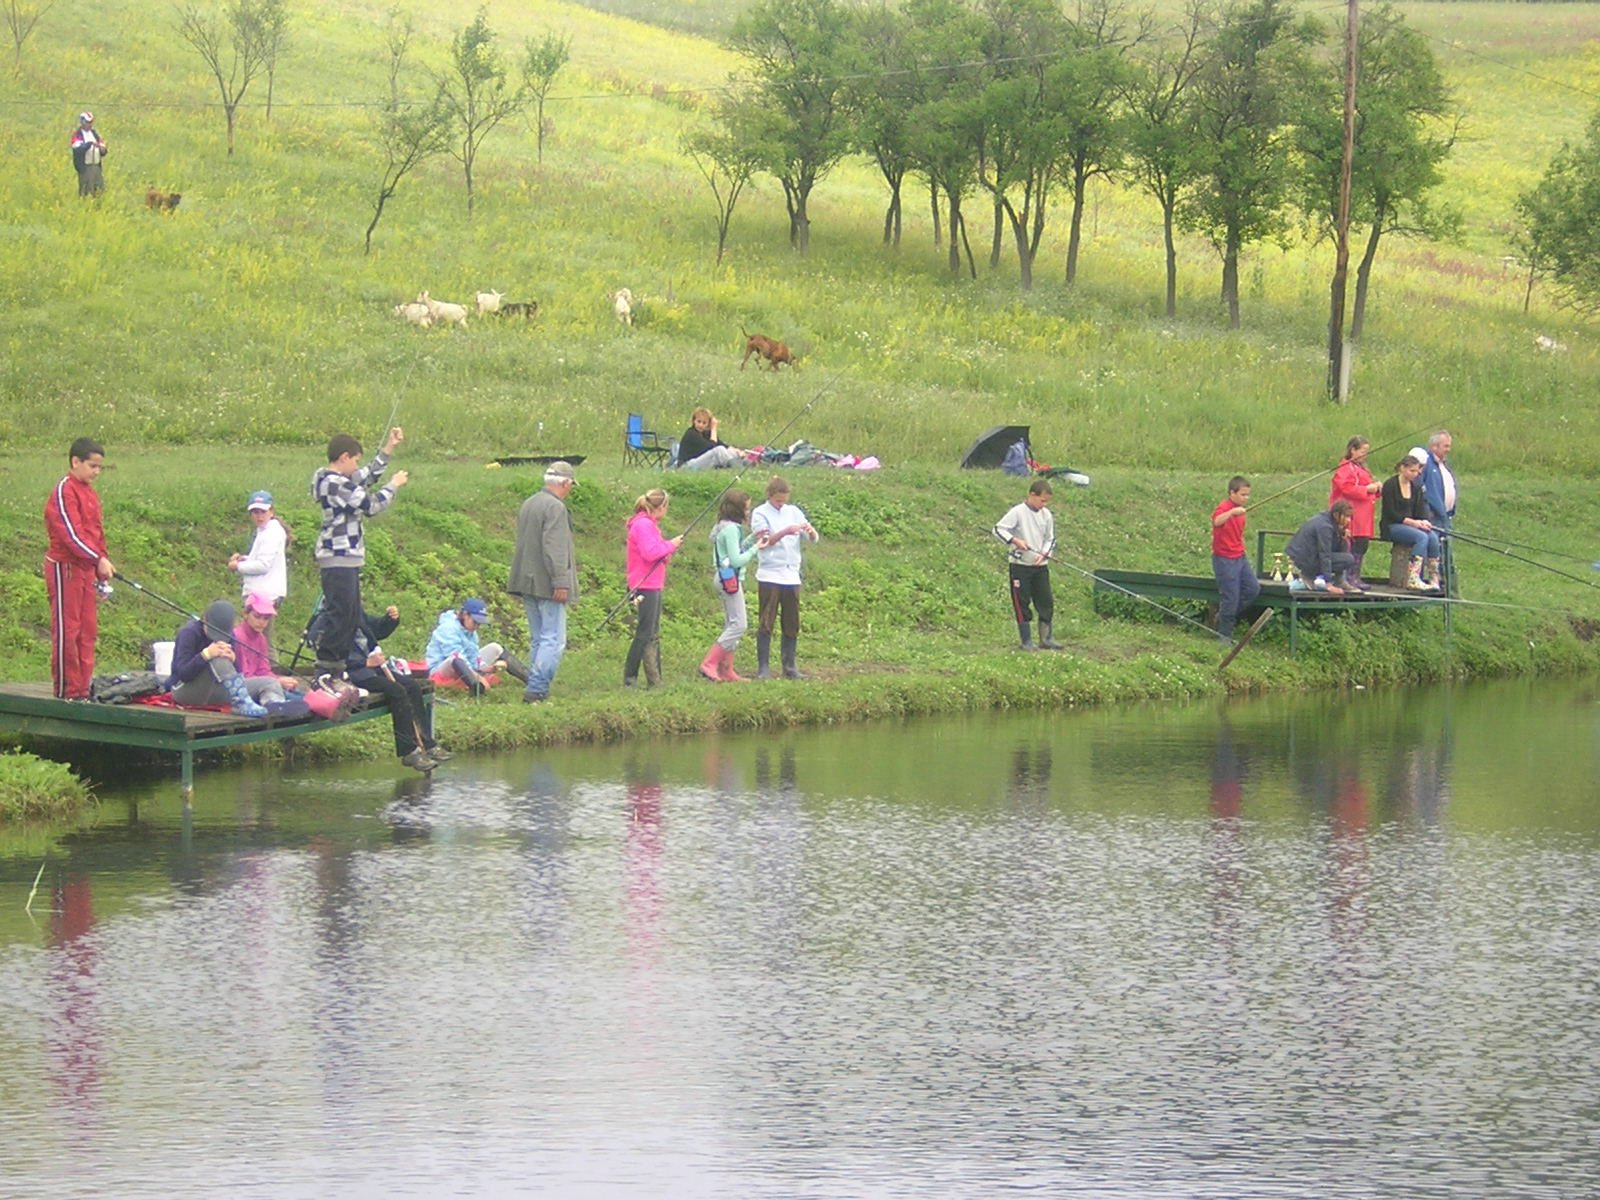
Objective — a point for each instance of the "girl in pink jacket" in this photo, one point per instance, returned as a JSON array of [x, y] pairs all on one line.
[[648, 552]]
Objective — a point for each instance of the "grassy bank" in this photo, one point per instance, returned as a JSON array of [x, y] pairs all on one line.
[[214, 350]]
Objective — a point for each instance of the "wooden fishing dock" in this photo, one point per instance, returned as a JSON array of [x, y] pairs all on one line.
[[32, 710]]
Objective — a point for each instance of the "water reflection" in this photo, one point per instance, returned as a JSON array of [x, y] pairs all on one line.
[[1336, 947]]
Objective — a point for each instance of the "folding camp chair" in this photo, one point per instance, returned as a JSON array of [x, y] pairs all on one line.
[[641, 447]]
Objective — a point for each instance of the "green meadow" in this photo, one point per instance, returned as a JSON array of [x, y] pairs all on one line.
[[214, 350]]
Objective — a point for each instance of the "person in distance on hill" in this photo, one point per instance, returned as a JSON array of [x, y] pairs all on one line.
[[1237, 584], [264, 570], [347, 493], [648, 552], [88, 148], [74, 564], [699, 447], [785, 529], [1029, 529], [544, 575], [1320, 550]]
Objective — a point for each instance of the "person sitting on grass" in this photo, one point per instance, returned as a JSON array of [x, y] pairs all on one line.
[[410, 714], [204, 674], [455, 659], [699, 448], [1320, 550]]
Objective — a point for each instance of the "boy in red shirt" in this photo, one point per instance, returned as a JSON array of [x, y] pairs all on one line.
[[1237, 585], [74, 563]]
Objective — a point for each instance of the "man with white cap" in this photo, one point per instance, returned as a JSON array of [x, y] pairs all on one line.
[[88, 148], [1439, 488], [544, 573], [265, 569]]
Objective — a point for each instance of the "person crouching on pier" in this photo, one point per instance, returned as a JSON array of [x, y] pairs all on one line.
[[1320, 550]]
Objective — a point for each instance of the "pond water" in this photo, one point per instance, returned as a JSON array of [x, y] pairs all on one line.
[[1332, 947]]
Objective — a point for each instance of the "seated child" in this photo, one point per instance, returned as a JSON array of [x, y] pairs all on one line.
[[367, 666], [456, 660], [204, 674]]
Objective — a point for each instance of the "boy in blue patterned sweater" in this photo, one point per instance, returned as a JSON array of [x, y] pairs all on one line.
[[347, 493]]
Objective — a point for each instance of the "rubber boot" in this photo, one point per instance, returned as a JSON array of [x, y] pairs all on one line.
[[1352, 577], [787, 648], [1430, 576], [711, 664], [763, 656], [468, 675], [1414, 576], [1046, 642], [725, 671], [652, 665], [515, 668], [243, 706], [630, 665], [1025, 632]]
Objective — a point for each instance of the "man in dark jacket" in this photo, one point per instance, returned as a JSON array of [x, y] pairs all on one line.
[[410, 711], [1321, 550], [544, 573]]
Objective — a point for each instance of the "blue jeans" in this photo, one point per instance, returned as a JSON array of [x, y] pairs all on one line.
[[547, 641], [1237, 589], [1424, 543]]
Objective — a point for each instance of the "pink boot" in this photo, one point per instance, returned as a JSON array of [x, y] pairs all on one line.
[[711, 664], [725, 670]]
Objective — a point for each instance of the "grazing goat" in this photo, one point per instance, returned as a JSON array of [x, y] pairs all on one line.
[[1549, 344], [158, 201], [417, 314], [527, 310], [622, 305], [771, 349], [443, 310], [489, 302]]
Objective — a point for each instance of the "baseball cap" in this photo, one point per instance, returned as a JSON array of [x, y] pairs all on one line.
[[261, 500], [476, 609], [86, 118], [260, 602], [558, 471]]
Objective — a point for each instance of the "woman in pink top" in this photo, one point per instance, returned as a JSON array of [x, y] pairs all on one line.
[[1353, 482], [648, 552]]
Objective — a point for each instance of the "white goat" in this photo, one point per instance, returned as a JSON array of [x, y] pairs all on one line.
[[1549, 344], [622, 305], [417, 314], [489, 302], [443, 310]]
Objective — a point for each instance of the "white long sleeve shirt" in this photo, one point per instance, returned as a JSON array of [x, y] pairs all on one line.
[[780, 561], [266, 568]]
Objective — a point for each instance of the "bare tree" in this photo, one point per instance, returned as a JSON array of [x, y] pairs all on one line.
[[233, 43], [539, 69], [397, 38], [274, 31], [20, 19], [410, 135], [727, 165], [476, 92]]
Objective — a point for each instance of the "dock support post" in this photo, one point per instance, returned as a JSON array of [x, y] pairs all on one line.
[[187, 757]]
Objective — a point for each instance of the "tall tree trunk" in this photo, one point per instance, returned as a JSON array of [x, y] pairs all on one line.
[[1230, 279], [933, 202], [999, 232], [1076, 233], [229, 110], [1172, 257], [1363, 276], [953, 208], [1025, 250], [468, 166], [383, 198], [972, 266]]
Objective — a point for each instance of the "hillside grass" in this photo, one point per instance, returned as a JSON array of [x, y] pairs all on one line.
[[215, 350]]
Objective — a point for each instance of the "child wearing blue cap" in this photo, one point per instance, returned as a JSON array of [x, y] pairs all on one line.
[[265, 569], [454, 656]]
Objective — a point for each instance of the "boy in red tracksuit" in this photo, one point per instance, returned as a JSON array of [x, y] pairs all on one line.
[[74, 563]]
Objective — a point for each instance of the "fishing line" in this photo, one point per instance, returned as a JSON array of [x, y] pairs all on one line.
[[1532, 562], [1521, 546], [1371, 450], [777, 438]]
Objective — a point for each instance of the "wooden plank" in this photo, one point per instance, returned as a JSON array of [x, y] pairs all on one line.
[[1249, 635]]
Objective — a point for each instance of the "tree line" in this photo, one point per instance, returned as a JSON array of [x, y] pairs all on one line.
[[1231, 121]]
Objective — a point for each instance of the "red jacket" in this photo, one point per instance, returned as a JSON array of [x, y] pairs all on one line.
[[72, 518], [1350, 482]]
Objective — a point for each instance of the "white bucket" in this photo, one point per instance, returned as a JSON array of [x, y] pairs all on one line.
[[161, 657]]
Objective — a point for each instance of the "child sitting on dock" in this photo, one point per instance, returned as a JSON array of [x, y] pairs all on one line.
[[1029, 529], [1237, 584], [456, 660], [205, 672], [410, 714], [252, 648], [1320, 550]]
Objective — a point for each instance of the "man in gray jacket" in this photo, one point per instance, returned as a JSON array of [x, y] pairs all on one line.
[[544, 572]]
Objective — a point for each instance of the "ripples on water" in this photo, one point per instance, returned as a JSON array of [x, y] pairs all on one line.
[[1138, 954]]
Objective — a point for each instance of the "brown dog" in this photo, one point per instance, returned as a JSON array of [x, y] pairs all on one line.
[[771, 349], [161, 201]]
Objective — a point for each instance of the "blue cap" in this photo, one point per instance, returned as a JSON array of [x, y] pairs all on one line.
[[476, 609], [262, 500]]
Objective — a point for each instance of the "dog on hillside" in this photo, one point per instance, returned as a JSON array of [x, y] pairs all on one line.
[[527, 310], [158, 201], [775, 352]]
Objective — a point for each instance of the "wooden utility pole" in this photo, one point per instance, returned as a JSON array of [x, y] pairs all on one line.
[[1338, 351]]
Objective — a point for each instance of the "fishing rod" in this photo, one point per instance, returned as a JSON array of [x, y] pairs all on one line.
[[178, 608], [1532, 562], [632, 592], [1312, 479], [1090, 575]]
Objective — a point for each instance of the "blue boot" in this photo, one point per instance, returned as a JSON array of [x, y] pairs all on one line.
[[243, 706]]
